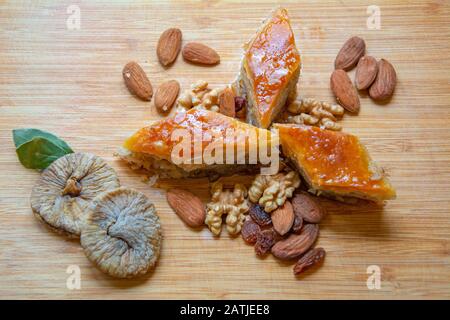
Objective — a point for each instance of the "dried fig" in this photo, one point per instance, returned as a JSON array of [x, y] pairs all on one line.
[[122, 236], [66, 187]]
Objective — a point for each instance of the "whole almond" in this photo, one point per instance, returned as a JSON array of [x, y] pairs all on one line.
[[283, 218], [187, 206], [384, 84], [169, 45], [199, 53], [296, 244], [136, 81], [366, 72], [342, 87], [350, 53], [307, 207], [165, 96], [227, 103]]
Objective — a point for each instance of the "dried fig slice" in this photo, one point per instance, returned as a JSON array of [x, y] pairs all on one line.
[[66, 187], [122, 236]]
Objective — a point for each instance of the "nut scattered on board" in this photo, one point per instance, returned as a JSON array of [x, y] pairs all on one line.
[[283, 218], [272, 191], [232, 203], [316, 113], [366, 72], [296, 244], [65, 189], [165, 96], [227, 102], [384, 85], [311, 258], [307, 207], [187, 206], [123, 234], [344, 91], [169, 45], [350, 53], [199, 96], [136, 81], [199, 53]]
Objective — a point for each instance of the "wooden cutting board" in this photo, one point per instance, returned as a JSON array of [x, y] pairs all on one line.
[[69, 82]]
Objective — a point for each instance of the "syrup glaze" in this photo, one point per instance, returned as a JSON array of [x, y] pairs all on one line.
[[332, 160], [156, 139], [271, 58]]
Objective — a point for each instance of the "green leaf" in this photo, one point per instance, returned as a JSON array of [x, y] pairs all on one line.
[[39, 153], [22, 136], [37, 149]]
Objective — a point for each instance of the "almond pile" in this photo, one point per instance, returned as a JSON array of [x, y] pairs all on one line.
[[167, 50], [379, 78], [289, 232]]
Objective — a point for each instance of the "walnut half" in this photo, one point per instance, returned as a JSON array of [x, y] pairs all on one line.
[[231, 203], [272, 191], [315, 113], [199, 96]]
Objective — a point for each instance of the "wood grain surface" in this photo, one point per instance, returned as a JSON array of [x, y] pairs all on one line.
[[69, 82]]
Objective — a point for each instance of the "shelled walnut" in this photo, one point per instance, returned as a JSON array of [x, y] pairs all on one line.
[[229, 202], [199, 96], [316, 113], [272, 191]]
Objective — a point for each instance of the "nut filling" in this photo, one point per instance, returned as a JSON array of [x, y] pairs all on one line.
[[123, 233]]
